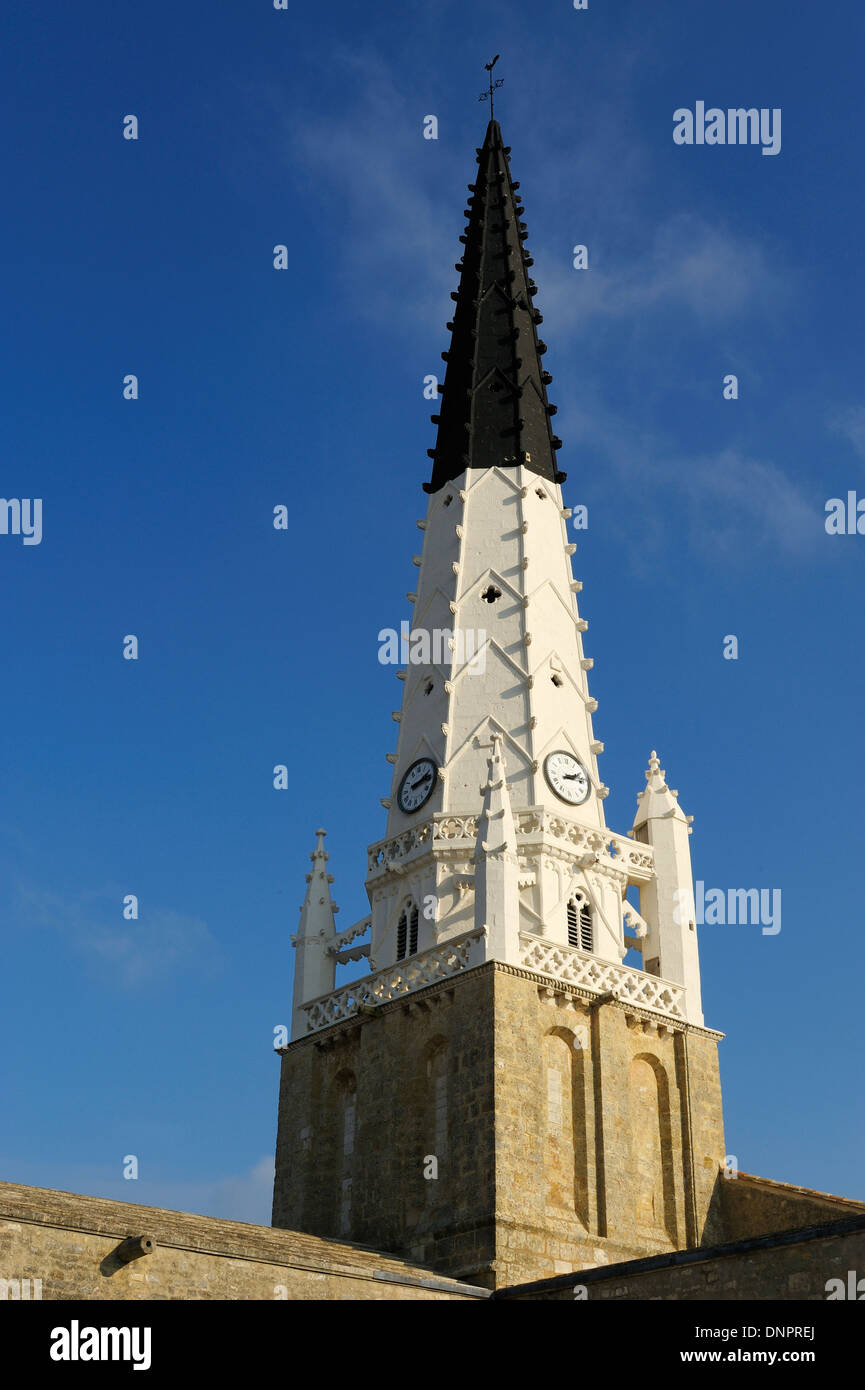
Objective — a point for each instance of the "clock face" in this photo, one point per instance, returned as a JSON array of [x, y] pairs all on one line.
[[567, 777], [417, 785]]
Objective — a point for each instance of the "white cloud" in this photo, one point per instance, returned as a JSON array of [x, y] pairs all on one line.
[[851, 424], [397, 240], [737, 507], [688, 265], [737, 500], [159, 945], [242, 1197], [391, 194]]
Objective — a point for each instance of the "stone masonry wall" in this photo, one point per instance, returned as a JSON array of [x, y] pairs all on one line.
[[567, 1131], [369, 1105], [790, 1266], [67, 1242], [644, 1102], [752, 1206]]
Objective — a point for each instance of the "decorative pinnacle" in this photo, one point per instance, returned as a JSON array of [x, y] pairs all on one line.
[[495, 762], [657, 801], [497, 805], [317, 909], [319, 852]]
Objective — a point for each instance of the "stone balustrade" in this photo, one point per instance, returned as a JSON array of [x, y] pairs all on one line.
[[449, 958], [574, 967], [533, 825]]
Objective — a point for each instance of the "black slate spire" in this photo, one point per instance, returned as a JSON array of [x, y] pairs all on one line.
[[494, 409]]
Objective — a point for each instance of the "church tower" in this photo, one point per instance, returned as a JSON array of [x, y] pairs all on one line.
[[501, 1096]]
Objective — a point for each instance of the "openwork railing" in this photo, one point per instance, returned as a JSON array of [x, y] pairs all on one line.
[[534, 824], [575, 967], [407, 975]]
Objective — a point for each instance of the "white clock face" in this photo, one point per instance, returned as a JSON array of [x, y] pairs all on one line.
[[567, 777], [417, 785]]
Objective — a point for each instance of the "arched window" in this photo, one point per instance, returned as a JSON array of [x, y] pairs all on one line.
[[406, 932], [345, 1127], [580, 924]]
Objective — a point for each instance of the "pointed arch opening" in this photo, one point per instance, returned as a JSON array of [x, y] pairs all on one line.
[[427, 1136], [652, 1164], [565, 1137], [407, 930], [345, 1118], [581, 927]]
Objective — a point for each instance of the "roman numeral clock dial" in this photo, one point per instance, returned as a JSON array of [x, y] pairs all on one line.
[[417, 785], [567, 777]]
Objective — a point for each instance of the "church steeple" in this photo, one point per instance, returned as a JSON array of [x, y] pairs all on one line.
[[568, 1100], [496, 642], [508, 868], [494, 409]]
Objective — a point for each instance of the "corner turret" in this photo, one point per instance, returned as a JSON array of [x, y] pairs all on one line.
[[667, 902]]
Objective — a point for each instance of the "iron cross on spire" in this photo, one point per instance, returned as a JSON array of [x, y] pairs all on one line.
[[488, 96]]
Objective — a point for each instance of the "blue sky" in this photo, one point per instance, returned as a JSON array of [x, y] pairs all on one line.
[[258, 387]]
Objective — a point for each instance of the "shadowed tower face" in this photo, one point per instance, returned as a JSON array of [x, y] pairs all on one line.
[[502, 1096]]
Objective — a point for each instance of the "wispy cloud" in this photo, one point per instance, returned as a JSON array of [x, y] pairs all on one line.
[[400, 237], [244, 1196], [851, 424], [396, 237], [736, 507], [690, 265], [159, 945], [737, 500], [400, 242]]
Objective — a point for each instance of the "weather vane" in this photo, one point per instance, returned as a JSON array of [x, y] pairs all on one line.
[[488, 96]]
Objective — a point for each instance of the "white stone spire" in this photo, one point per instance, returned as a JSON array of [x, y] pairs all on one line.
[[497, 895], [496, 647], [494, 657], [495, 652], [476, 863], [315, 942], [667, 900]]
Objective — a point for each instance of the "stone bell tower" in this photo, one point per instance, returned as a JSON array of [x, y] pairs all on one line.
[[500, 1096]]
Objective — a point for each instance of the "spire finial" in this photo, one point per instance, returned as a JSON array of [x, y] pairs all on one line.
[[488, 95]]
